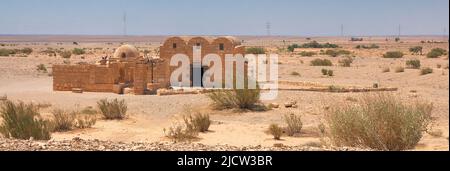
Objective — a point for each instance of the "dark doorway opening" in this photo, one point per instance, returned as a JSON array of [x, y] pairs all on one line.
[[202, 69]]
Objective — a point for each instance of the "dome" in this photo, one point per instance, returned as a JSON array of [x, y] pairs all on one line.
[[126, 52]]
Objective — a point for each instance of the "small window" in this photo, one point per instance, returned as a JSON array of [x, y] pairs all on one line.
[[198, 44], [221, 46], [174, 45]]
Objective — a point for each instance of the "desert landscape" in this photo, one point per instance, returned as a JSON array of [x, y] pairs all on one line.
[[306, 90]]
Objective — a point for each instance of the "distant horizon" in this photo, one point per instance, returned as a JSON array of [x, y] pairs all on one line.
[[320, 18]]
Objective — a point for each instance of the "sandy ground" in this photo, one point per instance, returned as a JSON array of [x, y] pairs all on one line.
[[149, 115]]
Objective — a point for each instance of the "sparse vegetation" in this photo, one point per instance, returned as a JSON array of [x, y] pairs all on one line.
[[335, 53], [294, 124], [321, 62], [345, 62], [23, 121], [246, 98], [295, 73], [114, 109], [413, 64], [41, 68], [327, 72], [425, 71], [78, 51], [255, 50], [399, 69], [386, 69], [416, 50], [199, 121], [65, 54], [372, 46], [308, 54], [393, 54], [436, 53], [276, 131], [379, 121], [63, 120]]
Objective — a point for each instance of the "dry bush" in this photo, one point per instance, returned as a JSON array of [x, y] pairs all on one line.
[[245, 98], [198, 120], [321, 62], [387, 69], [327, 72], [307, 54], [255, 50], [393, 54], [41, 67], [114, 109], [379, 121], [181, 131], [436, 53], [63, 120], [23, 121], [83, 121], [65, 54], [294, 124], [399, 69], [275, 131], [346, 62], [294, 73], [413, 64], [425, 71]]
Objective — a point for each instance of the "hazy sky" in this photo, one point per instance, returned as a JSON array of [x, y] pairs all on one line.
[[225, 17]]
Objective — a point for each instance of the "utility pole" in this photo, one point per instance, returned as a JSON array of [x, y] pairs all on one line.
[[342, 30], [399, 31], [268, 27], [124, 23]]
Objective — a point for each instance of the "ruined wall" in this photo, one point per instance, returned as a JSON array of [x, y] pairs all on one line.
[[86, 77], [185, 46]]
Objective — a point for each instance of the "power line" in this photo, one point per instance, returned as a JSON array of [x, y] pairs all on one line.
[[268, 27], [125, 23]]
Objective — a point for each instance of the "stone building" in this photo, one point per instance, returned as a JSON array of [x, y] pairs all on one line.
[[128, 71]]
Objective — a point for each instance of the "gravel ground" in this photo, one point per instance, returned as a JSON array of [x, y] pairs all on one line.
[[77, 144]]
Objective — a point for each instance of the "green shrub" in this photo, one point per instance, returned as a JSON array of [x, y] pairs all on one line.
[[327, 72], [294, 124], [417, 50], [23, 121], [378, 121], [425, 71], [65, 54], [436, 53], [255, 50], [78, 51], [292, 47], [315, 44], [275, 131], [114, 109], [414, 64], [321, 62], [308, 54], [393, 54]]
